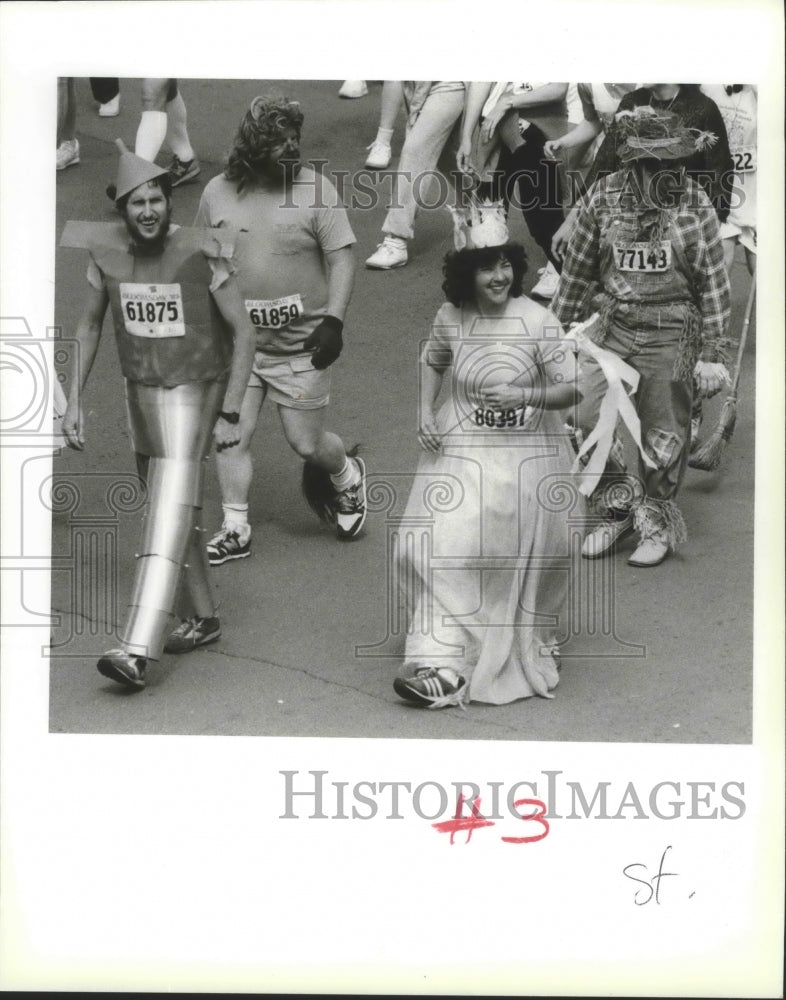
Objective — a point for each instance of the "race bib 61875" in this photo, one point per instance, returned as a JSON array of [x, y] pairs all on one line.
[[153, 311]]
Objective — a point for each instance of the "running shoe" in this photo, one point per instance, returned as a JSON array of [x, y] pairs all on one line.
[[192, 633], [226, 545], [353, 88], [111, 109], [546, 288], [182, 173], [67, 154], [434, 687], [123, 667], [349, 506], [391, 252], [379, 154]]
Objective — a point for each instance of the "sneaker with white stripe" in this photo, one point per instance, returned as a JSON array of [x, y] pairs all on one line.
[[434, 687]]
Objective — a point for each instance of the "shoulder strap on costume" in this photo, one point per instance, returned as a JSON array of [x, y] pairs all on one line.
[[89, 235], [114, 236]]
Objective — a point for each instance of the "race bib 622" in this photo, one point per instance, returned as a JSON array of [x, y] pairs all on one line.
[[154, 311], [744, 159]]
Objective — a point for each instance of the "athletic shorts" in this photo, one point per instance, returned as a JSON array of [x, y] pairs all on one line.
[[741, 234], [291, 381]]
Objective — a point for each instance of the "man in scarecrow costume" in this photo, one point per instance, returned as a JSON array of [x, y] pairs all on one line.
[[646, 256]]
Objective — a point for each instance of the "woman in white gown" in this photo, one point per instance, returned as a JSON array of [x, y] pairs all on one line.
[[486, 535]]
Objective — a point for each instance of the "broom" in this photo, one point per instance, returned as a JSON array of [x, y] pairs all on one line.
[[708, 456]]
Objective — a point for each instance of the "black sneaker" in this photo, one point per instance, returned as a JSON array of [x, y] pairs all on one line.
[[226, 545], [193, 633], [434, 687], [182, 173], [349, 506], [123, 667]]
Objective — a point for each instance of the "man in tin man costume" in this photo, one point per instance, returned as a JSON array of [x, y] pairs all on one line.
[[176, 312], [646, 255]]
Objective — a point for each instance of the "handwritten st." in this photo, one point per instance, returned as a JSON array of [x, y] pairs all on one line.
[[652, 885]]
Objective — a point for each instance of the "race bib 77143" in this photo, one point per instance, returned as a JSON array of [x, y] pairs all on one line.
[[643, 257]]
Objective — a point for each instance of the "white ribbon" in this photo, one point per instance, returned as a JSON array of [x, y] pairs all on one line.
[[616, 404]]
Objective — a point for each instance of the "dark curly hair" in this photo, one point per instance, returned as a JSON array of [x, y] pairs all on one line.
[[460, 266], [260, 129]]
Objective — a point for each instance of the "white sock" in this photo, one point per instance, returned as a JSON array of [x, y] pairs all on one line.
[[236, 519], [150, 134], [384, 135], [348, 476], [176, 133], [397, 241]]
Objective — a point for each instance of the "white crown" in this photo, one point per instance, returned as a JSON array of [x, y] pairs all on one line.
[[482, 224]]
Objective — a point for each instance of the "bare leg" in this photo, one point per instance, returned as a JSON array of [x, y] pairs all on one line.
[[305, 433], [235, 468]]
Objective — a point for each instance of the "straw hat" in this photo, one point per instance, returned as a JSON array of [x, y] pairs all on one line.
[[647, 133]]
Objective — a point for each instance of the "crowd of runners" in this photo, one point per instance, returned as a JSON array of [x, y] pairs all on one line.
[[635, 196]]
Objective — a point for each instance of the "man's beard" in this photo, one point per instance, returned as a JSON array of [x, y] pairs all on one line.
[[283, 170], [145, 241]]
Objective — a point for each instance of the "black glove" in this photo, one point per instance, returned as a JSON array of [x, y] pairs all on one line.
[[326, 342]]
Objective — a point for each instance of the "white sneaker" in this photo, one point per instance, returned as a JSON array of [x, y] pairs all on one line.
[[67, 154], [391, 252], [353, 88], [651, 550], [379, 155], [605, 537], [546, 288], [111, 109]]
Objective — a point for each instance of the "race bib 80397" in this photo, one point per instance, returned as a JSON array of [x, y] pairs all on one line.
[[273, 314], [643, 257], [154, 311]]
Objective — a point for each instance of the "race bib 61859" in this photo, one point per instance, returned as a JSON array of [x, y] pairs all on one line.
[[152, 310], [273, 314]]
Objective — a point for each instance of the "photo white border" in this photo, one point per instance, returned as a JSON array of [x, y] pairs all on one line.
[[186, 846]]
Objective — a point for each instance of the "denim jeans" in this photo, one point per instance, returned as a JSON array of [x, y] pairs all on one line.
[[648, 338]]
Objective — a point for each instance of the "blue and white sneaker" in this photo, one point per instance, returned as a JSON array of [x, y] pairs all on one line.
[[349, 506], [226, 545]]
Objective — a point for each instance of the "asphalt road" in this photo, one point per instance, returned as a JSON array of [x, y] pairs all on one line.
[[677, 668]]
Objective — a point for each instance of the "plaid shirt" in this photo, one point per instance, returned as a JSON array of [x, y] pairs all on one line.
[[693, 229]]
